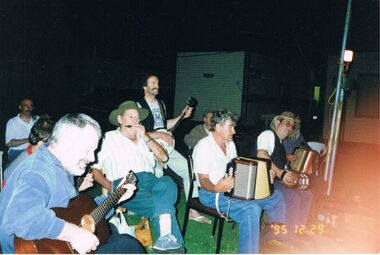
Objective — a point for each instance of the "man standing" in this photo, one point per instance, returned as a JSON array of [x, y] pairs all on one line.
[[129, 147], [211, 156], [270, 145], [18, 128], [200, 131], [44, 180], [157, 119]]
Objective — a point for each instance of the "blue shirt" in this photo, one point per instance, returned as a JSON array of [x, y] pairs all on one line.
[[36, 184]]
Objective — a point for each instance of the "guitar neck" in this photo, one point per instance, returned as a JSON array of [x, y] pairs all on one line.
[[104, 207]]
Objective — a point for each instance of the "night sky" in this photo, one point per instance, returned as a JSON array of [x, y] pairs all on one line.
[[50, 44]]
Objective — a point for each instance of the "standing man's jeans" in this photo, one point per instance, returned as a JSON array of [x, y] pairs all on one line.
[[155, 196], [178, 164], [298, 204], [13, 154], [247, 213]]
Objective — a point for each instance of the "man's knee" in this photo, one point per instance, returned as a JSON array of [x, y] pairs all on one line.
[[166, 183]]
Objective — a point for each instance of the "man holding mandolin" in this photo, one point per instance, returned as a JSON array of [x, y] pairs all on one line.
[[159, 127], [41, 189]]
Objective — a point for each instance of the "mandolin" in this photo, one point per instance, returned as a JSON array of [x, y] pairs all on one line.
[[82, 211]]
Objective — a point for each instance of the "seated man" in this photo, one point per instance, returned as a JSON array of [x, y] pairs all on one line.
[[129, 147], [44, 180], [295, 139], [200, 131], [211, 156], [270, 145]]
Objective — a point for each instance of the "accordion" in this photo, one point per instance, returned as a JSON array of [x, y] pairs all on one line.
[[306, 160], [252, 178]]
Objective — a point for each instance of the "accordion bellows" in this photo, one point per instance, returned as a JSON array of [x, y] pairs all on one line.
[[252, 178]]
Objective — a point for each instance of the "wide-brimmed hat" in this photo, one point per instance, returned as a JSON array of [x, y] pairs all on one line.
[[287, 115], [143, 113]]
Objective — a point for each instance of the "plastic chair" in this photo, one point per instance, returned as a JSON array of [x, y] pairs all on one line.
[[319, 147], [194, 203]]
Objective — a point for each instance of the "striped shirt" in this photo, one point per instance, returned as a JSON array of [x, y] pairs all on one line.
[[118, 155]]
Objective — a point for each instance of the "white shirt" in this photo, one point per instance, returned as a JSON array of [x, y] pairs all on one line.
[[265, 141], [209, 158], [119, 155], [18, 129]]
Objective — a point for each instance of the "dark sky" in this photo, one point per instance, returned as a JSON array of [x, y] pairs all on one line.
[[312, 28]]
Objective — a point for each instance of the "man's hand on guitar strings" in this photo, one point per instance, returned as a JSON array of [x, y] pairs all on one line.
[[130, 189], [88, 182]]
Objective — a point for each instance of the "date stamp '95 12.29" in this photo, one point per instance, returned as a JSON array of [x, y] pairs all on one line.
[[282, 229]]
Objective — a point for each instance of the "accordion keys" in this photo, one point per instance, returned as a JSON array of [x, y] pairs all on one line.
[[252, 178]]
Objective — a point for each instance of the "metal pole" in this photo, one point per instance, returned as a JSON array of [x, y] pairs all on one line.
[[339, 98]]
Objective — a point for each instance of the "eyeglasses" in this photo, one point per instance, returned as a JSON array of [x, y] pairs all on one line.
[[288, 123]]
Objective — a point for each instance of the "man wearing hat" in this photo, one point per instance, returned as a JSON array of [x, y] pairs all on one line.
[[129, 147], [270, 145]]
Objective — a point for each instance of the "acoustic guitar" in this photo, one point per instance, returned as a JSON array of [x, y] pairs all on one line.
[[191, 102], [82, 211]]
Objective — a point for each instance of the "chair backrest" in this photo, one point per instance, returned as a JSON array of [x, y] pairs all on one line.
[[190, 167]]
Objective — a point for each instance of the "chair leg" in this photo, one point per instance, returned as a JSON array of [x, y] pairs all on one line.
[[186, 219], [214, 225], [219, 239]]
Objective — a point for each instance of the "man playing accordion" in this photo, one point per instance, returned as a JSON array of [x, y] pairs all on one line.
[[211, 156], [270, 145]]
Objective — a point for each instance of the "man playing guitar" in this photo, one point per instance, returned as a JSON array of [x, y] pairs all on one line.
[[157, 119], [44, 181]]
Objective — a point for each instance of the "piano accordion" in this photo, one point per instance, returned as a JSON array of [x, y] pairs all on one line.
[[252, 178], [306, 160]]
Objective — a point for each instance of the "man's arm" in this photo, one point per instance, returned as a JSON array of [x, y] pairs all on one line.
[[287, 176], [265, 154], [157, 149], [10, 139], [186, 113], [17, 142], [223, 185], [101, 179]]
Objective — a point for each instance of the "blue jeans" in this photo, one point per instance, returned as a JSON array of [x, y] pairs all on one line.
[[155, 196], [13, 154], [247, 213], [298, 204]]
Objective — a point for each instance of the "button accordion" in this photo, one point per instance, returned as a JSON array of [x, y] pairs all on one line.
[[306, 160], [252, 178]]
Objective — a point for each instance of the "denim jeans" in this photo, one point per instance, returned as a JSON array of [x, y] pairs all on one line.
[[247, 213], [13, 154], [298, 204], [155, 196], [178, 164]]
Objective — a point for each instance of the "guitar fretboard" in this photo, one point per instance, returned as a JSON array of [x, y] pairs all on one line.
[[107, 204]]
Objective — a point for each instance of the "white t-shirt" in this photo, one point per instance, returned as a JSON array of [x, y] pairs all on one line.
[[156, 112], [265, 141], [118, 155], [209, 158], [18, 129]]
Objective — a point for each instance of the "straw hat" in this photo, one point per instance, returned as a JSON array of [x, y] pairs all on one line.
[[143, 113]]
